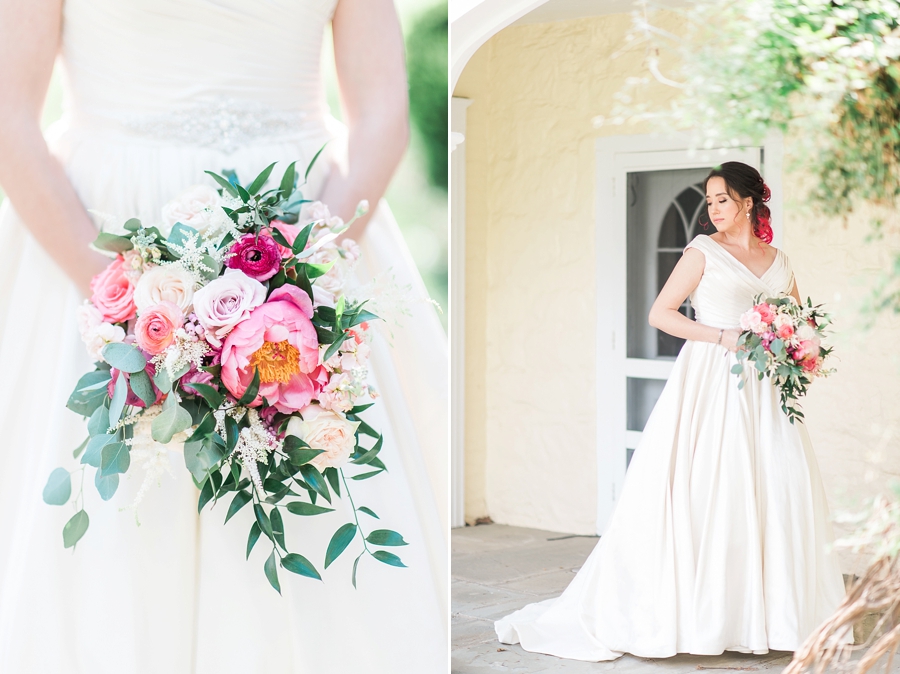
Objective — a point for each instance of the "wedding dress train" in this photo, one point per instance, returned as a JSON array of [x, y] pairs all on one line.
[[156, 91], [720, 537]]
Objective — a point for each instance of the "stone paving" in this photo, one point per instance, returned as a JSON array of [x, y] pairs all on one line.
[[497, 569]]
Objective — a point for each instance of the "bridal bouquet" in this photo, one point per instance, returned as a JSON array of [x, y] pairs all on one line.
[[230, 333], [783, 340]]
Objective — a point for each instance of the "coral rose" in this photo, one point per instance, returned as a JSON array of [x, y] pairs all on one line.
[[322, 429], [155, 328], [278, 339], [259, 257], [113, 293]]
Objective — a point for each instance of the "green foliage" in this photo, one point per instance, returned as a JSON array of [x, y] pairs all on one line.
[[426, 60], [58, 488]]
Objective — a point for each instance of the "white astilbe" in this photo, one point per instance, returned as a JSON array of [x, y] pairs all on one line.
[[149, 455], [186, 350], [193, 254], [255, 442]]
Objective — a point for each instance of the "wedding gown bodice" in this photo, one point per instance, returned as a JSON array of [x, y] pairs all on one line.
[[202, 72], [728, 288]]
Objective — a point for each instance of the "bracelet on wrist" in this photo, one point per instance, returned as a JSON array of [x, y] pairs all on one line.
[[721, 332]]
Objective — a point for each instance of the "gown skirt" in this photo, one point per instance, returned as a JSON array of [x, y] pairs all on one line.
[[720, 539]]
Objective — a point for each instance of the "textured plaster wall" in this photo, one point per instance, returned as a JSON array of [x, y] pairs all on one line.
[[530, 370]]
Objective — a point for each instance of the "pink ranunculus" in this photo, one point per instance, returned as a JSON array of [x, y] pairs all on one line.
[[131, 398], [156, 326], [765, 312], [113, 292], [278, 339], [259, 257]]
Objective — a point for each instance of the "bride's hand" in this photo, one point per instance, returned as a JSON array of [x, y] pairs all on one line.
[[730, 339]]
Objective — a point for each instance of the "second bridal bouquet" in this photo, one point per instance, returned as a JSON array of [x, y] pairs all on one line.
[[784, 340], [230, 333]]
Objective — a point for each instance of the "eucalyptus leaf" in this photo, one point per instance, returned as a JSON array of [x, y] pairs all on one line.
[[114, 458], [339, 543], [132, 224], [112, 243], [93, 452], [143, 388], [75, 528], [106, 484], [58, 488], [124, 357], [80, 448], [117, 403], [179, 235], [170, 421], [300, 565], [85, 399], [162, 380], [99, 422]]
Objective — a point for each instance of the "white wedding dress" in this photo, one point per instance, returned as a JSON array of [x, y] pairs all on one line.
[[720, 538], [156, 91]]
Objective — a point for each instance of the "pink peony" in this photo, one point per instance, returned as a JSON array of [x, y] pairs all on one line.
[[280, 341], [811, 365], [259, 257], [156, 326], [113, 293]]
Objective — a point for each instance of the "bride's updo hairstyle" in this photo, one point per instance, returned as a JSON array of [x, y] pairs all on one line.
[[742, 181]]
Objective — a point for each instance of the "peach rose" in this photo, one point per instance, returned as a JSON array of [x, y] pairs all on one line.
[[156, 326], [322, 429], [113, 293]]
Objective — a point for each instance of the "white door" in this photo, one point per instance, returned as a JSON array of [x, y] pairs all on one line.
[[650, 204]]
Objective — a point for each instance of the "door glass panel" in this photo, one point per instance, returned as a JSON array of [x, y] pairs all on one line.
[[663, 213], [642, 395]]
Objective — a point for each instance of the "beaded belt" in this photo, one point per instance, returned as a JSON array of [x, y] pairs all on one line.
[[224, 125]]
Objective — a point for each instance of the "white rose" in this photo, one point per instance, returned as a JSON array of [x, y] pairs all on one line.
[[95, 332], [751, 320], [225, 302], [781, 320], [806, 332], [171, 283], [196, 207], [322, 429]]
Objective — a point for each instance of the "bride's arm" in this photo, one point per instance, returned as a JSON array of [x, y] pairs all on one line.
[[368, 51], [33, 179], [664, 313]]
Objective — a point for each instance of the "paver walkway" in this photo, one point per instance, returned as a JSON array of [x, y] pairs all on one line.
[[497, 569]]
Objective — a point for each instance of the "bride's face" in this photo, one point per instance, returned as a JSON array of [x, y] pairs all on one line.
[[724, 211]]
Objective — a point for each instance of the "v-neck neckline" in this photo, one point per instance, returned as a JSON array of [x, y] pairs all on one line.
[[744, 266]]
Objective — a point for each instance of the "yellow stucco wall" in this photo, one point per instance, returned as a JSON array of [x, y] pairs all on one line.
[[530, 295]]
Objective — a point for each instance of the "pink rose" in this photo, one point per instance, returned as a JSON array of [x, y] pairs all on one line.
[[225, 302], [156, 326], [278, 339], [113, 293], [785, 331], [765, 312], [259, 257], [811, 365]]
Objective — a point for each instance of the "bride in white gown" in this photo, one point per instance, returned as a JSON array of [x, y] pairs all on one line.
[[156, 91], [720, 538]]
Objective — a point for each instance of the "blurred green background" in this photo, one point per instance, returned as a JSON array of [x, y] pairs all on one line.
[[418, 192]]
